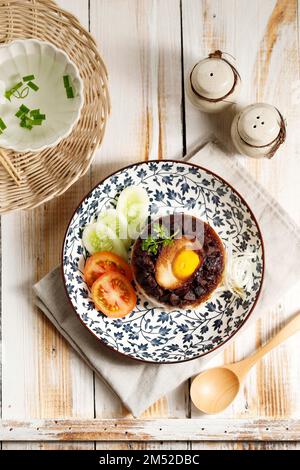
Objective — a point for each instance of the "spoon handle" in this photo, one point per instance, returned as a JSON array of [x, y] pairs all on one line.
[[288, 330]]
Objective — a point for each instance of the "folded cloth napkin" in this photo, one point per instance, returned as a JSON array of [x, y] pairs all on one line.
[[146, 383]]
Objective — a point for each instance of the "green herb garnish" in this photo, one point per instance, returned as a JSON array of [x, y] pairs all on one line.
[[30, 118], [37, 122], [21, 94], [70, 92], [2, 125], [24, 123], [24, 109], [9, 93], [67, 81], [162, 238], [68, 86], [19, 114], [35, 112], [41, 117]]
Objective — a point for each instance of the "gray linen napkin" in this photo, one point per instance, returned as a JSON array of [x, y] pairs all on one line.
[[146, 383]]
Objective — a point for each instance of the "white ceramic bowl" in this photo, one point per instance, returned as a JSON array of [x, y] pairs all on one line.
[[49, 65]]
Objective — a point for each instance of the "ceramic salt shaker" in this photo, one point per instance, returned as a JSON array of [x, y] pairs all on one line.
[[258, 130], [213, 84]]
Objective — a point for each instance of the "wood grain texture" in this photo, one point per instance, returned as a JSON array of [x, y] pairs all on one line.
[[144, 62]]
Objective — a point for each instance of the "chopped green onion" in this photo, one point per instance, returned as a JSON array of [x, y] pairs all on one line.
[[2, 125], [23, 94], [28, 122], [17, 86], [24, 109], [67, 81], [36, 114], [33, 86], [37, 122], [70, 92], [28, 78]]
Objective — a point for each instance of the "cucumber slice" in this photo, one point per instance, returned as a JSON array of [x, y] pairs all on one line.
[[117, 223], [110, 241], [134, 204], [96, 239]]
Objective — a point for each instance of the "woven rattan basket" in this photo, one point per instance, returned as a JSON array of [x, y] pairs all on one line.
[[51, 172]]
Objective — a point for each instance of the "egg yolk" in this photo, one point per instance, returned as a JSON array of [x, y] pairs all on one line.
[[185, 264]]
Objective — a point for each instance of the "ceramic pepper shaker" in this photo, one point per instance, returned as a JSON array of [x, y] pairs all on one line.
[[213, 84], [258, 130]]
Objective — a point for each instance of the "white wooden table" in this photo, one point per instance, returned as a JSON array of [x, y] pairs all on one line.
[[149, 46]]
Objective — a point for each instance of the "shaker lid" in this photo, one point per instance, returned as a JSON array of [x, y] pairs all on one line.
[[213, 78], [259, 124]]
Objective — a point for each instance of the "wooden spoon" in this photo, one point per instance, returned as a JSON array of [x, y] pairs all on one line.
[[9, 167], [215, 389]]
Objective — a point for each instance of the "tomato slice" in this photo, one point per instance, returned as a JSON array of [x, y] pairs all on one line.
[[114, 295], [103, 262]]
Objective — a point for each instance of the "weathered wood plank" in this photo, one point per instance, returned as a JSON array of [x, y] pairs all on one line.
[[264, 43], [147, 430]]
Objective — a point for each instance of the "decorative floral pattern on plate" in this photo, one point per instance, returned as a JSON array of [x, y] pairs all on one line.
[[149, 333]]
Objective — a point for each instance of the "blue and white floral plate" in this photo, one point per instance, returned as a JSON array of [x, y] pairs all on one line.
[[151, 334]]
